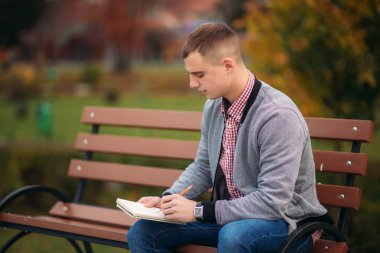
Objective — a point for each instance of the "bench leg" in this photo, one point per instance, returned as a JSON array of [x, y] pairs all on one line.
[[87, 247], [75, 245], [13, 240], [18, 236]]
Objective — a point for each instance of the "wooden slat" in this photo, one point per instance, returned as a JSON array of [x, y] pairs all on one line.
[[161, 119], [196, 249], [320, 128], [141, 175], [67, 225], [154, 147], [92, 214], [327, 246], [163, 177], [340, 162], [339, 196], [340, 129]]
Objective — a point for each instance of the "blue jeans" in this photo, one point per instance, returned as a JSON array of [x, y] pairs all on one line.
[[249, 235]]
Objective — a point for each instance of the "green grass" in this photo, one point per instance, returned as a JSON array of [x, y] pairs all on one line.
[[66, 114]]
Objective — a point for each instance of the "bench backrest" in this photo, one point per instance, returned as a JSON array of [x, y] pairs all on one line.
[[348, 163]]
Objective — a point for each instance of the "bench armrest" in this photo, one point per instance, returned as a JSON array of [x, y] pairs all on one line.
[[29, 189], [308, 229]]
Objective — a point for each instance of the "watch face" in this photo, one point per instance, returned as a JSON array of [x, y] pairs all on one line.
[[198, 212]]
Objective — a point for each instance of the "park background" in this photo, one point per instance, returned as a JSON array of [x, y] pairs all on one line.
[[57, 56]]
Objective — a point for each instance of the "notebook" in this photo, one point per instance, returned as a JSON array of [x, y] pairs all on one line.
[[139, 211]]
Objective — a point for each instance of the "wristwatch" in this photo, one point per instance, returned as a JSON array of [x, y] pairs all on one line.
[[198, 211]]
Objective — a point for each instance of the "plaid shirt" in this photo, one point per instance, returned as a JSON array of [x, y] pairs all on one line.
[[232, 120]]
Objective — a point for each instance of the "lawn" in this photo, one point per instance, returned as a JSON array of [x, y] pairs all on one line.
[[66, 114]]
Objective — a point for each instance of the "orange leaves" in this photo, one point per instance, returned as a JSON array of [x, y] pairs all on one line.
[[326, 47]]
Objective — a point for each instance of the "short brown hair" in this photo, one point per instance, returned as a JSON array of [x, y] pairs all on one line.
[[213, 41]]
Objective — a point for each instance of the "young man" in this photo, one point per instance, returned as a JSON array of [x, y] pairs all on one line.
[[255, 153]]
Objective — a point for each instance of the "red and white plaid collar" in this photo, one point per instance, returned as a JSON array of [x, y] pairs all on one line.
[[236, 109]]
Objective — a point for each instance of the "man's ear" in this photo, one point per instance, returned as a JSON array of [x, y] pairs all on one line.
[[228, 63]]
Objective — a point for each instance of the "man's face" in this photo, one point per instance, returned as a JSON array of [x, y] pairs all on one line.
[[212, 80]]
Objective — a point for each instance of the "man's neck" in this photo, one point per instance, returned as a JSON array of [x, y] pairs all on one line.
[[240, 81]]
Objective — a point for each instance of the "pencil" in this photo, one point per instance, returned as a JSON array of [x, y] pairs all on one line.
[[186, 190]]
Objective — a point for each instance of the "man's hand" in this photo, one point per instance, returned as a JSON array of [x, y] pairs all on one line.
[[150, 201], [177, 207]]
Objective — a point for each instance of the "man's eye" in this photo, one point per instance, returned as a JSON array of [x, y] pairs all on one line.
[[200, 75]]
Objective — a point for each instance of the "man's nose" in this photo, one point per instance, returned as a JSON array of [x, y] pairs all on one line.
[[193, 83]]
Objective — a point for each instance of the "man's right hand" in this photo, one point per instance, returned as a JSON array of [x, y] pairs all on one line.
[[151, 201]]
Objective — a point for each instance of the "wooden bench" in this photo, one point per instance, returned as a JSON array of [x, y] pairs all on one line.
[[80, 222]]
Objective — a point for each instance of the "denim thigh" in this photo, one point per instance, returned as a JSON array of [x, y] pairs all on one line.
[[252, 235], [248, 235], [151, 236]]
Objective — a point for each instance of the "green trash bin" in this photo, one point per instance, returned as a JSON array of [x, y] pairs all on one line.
[[44, 119]]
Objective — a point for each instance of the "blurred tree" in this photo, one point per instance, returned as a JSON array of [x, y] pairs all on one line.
[[331, 47], [232, 12], [17, 16], [124, 28]]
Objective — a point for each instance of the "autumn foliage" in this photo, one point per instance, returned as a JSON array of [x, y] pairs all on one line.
[[328, 48]]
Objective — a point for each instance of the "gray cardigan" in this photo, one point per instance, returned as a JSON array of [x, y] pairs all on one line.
[[273, 164]]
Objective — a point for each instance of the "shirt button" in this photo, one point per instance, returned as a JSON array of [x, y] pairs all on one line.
[[228, 126]]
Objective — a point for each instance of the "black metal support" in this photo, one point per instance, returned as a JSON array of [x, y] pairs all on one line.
[[23, 233], [342, 220], [75, 245], [87, 156], [29, 189], [350, 181], [11, 241], [87, 247], [79, 191], [308, 229], [67, 235]]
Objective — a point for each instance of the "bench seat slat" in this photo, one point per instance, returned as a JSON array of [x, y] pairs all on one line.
[[165, 148], [340, 162], [93, 214], [327, 246], [123, 173], [339, 196], [67, 225], [195, 249], [159, 119], [340, 129]]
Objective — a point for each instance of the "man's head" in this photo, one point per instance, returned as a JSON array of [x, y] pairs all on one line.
[[213, 60], [213, 41]]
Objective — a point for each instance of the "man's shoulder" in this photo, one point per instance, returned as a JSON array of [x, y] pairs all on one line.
[[272, 99], [277, 105]]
